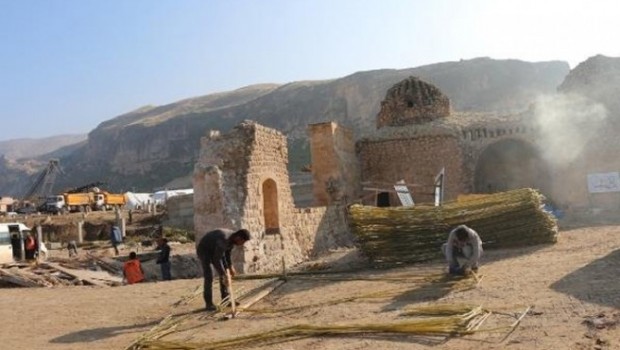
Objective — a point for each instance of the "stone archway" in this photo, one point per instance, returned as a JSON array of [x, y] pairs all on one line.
[[510, 164], [270, 207]]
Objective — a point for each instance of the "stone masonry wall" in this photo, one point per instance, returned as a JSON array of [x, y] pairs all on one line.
[[335, 169], [415, 160], [241, 181], [220, 186], [180, 212], [320, 229], [268, 162], [570, 187]]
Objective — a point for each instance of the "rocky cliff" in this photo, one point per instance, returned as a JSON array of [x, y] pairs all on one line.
[[151, 146], [597, 78]]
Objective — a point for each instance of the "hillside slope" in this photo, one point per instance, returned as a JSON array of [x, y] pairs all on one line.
[[149, 147]]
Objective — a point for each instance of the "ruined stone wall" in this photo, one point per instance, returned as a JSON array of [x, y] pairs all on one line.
[[219, 182], [570, 180], [269, 206], [180, 212], [475, 139], [242, 181], [320, 229], [415, 160], [335, 168]]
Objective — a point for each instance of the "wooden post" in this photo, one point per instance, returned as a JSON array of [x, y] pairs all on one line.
[[123, 227], [80, 232], [39, 240], [231, 293]]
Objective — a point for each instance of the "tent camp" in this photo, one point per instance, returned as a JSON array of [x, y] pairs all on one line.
[[160, 197], [137, 201]]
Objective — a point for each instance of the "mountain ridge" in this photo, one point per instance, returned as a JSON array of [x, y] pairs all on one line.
[[153, 145]]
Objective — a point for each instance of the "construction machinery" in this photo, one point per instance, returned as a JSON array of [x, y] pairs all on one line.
[[36, 195]]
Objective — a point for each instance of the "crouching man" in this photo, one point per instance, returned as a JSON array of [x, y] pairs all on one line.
[[462, 250]]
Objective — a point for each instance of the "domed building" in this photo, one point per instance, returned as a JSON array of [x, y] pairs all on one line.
[[418, 137]]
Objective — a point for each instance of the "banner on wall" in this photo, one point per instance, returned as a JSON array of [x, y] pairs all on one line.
[[604, 182]]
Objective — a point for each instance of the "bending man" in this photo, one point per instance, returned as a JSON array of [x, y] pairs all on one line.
[[214, 249], [463, 250]]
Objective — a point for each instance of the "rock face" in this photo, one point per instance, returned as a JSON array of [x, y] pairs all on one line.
[[412, 101], [597, 78], [149, 147]]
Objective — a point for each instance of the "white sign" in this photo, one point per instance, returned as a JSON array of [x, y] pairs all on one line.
[[403, 194], [604, 182]]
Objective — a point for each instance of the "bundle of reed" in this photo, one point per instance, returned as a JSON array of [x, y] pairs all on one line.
[[166, 326], [400, 235], [455, 324], [437, 310]]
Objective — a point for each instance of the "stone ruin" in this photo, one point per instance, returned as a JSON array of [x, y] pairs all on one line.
[[241, 178], [412, 101]]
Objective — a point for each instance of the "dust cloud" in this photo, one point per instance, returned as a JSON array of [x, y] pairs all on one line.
[[567, 122]]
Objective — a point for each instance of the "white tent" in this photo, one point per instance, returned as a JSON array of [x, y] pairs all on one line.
[[160, 197], [138, 200]]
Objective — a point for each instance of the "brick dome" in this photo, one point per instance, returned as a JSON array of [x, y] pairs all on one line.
[[412, 101]]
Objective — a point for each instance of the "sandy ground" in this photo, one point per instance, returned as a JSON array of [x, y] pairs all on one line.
[[567, 282]]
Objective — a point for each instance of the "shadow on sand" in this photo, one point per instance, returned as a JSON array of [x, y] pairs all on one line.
[[597, 282], [94, 334]]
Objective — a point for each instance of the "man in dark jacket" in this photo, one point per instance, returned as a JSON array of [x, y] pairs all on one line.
[[214, 249], [164, 259]]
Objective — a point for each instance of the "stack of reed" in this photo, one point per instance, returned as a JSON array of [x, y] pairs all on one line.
[[399, 235]]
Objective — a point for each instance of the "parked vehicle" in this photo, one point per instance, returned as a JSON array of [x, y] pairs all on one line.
[[27, 210], [73, 202], [108, 201], [114, 200], [12, 236], [84, 201]]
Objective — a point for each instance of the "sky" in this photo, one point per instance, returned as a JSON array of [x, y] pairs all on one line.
[[68, 65]]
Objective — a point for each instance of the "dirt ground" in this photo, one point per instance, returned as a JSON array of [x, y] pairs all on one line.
[[571, 285]]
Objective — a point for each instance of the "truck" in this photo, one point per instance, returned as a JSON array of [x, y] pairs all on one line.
[[107, 201], [73, 202], [84, 201]]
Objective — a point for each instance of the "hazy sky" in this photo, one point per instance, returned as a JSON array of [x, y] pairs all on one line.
[[68, 65]]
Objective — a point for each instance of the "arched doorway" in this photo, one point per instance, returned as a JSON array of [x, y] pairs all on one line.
[[511, 164], [270, 207]]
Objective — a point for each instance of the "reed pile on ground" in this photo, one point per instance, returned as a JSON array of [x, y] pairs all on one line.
[[400, 235], [461, 322]]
